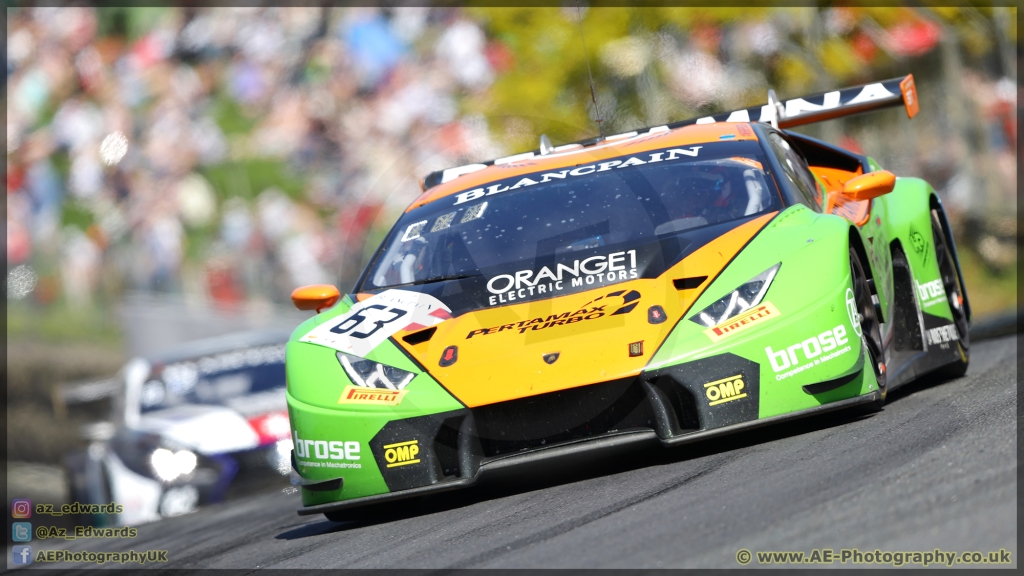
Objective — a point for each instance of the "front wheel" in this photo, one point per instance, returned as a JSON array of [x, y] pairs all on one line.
[[955, 296], [862, 310]]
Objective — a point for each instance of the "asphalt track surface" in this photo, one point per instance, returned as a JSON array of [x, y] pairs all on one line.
[[937, 468]]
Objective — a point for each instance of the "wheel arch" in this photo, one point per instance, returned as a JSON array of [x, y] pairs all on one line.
[[935, 203]]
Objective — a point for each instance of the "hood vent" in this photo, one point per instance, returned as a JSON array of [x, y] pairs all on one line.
[[421, 336], [689, 283]]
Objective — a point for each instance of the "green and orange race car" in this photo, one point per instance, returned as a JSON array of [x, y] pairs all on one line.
[[661, 286]]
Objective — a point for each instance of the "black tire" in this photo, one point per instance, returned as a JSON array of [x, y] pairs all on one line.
[[871, 332], [955, 295]]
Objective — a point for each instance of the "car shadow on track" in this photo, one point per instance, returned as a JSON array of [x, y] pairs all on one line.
[[919, 385], [557, 474]]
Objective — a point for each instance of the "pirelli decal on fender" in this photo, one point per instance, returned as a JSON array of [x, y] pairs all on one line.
[[375, 396], [756, 316]]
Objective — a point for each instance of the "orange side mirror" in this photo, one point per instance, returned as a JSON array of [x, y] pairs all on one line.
[[315, 297], [870, 185]]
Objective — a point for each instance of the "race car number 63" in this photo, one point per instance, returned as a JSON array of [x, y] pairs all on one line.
[[348, 324], [369, 323]]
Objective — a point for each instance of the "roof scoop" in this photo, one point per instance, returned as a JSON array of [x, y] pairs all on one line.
[[545, 145]]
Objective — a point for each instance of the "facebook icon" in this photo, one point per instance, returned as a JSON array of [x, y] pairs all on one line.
[[21, 554]]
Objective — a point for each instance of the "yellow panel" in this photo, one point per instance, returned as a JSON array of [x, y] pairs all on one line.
[[501, 350]]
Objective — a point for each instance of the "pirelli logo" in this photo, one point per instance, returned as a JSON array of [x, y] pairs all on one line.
[[376, 396], [753, 317], [402, 453], [725, 390]]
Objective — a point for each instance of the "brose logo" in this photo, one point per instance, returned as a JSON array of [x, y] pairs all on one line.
[[930, 290], [402, 453], [724, 390], [815, 351], [335, 453]]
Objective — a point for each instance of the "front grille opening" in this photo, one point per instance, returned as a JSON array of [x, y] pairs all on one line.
[[446, 447], [682, 404], [555, 417]]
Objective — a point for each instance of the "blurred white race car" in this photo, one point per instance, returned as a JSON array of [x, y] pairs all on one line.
[[199, 424]]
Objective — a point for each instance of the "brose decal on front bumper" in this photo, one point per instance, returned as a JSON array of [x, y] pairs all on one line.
[[810, 350], [325, 453]]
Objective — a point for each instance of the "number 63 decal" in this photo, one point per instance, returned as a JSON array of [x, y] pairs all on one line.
[[349, 324], [369, 323]]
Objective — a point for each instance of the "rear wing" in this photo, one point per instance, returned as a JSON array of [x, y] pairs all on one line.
[[796, 112], [824, 105]]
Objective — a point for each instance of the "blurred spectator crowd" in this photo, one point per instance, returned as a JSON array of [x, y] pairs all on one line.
[[235, 153], [115, 145]]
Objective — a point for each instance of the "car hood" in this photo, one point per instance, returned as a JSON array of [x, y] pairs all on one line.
[[543, 346]]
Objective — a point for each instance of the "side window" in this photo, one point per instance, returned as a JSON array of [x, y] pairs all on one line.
[[796, 170]]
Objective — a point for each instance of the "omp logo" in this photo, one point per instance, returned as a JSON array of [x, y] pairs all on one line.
[[724, 390], [360, 395], [331, 451], [815, 350], [942, 335], [402, 453], [630, 300], [748, 319]]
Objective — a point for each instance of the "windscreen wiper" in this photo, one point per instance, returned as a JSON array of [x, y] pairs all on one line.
[[433, 279]]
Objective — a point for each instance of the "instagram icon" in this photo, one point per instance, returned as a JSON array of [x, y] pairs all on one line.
[[21, 508]]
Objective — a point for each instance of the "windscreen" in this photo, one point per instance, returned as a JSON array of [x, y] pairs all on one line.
[[567, 214], [248, 380]]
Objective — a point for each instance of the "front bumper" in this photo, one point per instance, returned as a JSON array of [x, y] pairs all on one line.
[[694, 388], [608, 444], [405, 458]]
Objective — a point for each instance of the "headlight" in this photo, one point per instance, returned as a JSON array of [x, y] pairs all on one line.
[[370, 374], [169, 465], [748, 295]]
